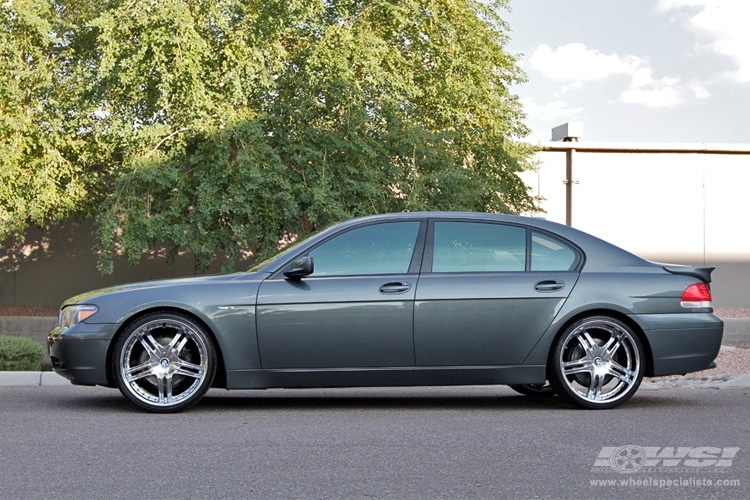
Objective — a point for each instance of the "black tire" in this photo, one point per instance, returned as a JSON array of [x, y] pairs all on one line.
[[535, 390], [597, 362], [164, 362]]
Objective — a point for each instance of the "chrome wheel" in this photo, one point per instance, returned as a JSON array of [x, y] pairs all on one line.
[[598, 363], [164, 362]]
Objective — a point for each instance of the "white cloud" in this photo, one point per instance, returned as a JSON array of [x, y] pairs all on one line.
[[666, 92], [663, 93], [550, 112], [722, 25], [575, 63]]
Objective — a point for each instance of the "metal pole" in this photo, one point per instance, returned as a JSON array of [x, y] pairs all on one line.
[[569, 186]]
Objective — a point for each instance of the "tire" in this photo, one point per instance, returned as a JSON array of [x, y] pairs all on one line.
[[164, 362], [535, 390], [597, 362]]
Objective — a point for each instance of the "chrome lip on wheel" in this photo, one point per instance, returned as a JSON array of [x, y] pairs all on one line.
[[164, 362], [600, 361]]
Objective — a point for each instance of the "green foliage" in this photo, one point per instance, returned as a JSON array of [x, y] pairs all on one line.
[[20, 354], [38, 177], [222, 127]]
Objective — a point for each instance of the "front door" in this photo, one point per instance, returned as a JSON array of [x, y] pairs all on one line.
[[355, 309]]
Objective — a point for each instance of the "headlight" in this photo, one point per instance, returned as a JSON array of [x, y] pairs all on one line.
[[72, 315]]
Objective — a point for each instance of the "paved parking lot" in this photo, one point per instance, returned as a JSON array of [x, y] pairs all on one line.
[[68, 442]]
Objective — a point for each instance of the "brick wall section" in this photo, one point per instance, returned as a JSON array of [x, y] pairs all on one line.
[[33, 327]]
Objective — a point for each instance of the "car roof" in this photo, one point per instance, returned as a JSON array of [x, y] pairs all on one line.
[[600, 255]]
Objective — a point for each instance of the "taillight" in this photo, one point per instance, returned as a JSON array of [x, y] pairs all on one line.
[[696, 295]]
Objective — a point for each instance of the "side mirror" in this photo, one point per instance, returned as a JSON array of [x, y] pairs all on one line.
[[301, 267]]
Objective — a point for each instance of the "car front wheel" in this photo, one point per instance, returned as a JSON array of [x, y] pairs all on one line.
[[597, 362], [164, 362]]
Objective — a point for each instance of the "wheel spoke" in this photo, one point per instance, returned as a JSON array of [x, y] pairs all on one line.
[[586, 341], [595, 387], [165, 389], [151, 346], [577, 366], [138, 372], [610, 348], [620, 372], [178, 338], [188, 369]]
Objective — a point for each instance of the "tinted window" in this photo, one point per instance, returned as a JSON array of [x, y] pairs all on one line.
[[478, 247], [376, 249], [550, 254]]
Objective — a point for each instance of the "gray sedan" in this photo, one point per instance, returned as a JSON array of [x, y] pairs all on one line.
[[409, 299]]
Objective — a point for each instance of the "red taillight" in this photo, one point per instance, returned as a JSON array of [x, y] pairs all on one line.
[[696, 295]]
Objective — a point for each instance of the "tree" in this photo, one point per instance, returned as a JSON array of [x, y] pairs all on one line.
[[232, 125], [40, 178]]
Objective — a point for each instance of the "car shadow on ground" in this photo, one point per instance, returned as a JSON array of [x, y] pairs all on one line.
[[422, 399], [249, 402]]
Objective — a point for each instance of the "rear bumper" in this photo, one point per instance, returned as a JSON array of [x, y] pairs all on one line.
[[681, 343]]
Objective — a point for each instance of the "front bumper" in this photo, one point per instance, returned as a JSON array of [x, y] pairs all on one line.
[[681, 343], [80, 353]]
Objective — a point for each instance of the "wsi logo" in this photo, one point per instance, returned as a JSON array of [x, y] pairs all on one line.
[[631, 458]]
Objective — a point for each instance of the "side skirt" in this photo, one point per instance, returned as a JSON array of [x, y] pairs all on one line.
[[386, 377]]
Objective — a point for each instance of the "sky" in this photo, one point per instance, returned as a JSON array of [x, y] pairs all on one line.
[[635, 70]]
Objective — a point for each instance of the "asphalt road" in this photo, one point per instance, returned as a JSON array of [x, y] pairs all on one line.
[[448, 443]]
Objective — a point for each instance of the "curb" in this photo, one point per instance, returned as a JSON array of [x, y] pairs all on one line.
[[741, 382], [32, 378], [736, 332]]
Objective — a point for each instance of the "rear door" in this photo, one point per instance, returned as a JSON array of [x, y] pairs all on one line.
[[488, 292]]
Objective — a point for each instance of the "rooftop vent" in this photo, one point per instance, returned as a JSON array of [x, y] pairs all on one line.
[[568, 132]]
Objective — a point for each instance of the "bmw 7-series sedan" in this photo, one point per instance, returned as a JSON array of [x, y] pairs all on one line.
[[408, 299]]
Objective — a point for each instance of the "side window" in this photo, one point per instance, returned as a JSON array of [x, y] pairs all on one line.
[[478, 247], [550, 254], [375, 249]]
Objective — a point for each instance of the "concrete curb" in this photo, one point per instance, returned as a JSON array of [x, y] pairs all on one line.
[[32, 378], [741, 382], [736, 332]]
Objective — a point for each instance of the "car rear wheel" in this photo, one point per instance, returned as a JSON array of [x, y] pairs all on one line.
[[598, 362], [535, 390], [164, 362]]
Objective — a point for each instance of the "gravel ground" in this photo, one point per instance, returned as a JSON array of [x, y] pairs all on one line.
[[732, 312]]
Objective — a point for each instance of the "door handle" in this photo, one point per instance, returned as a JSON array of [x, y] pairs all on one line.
[[395, 287], [549, 285]]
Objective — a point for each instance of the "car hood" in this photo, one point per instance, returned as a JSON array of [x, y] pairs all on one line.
[[164, 283]]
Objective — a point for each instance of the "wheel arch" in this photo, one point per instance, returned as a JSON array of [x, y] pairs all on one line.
[[221, 373], [648, 355]]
